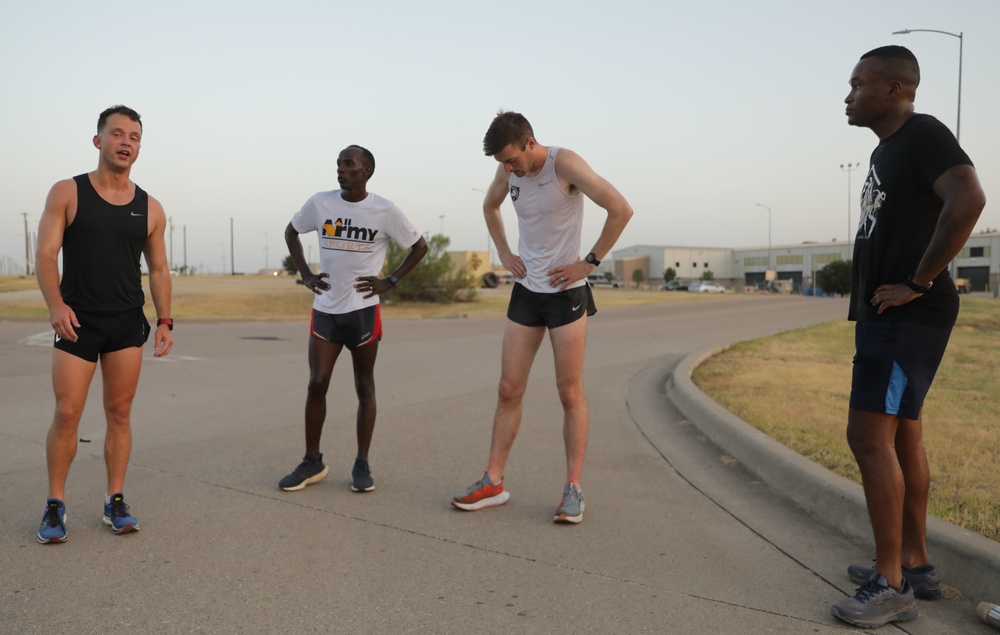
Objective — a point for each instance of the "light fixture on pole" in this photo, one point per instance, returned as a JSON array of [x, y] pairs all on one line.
[[768, 234], [849, 167], [959, 35]]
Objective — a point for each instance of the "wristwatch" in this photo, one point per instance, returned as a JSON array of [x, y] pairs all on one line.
[[918, 288], [168, 321], [393, 280], [592, 260]]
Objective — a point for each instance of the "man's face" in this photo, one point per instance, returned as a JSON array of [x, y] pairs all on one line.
[[119, 141], [516, 160], [868, 100], [352, 173]]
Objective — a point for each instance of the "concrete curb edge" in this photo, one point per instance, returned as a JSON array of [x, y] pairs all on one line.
[[967, 561]]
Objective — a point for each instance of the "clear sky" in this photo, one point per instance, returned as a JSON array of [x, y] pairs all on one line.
[[696, 112]]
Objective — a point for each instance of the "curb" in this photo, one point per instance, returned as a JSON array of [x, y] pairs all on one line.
[[967, 561]]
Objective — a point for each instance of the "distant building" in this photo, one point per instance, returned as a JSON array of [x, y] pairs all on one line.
[[979, 262]]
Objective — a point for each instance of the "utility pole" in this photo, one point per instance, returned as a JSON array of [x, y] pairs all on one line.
[[185, 228], [27, 246], [232, 257]]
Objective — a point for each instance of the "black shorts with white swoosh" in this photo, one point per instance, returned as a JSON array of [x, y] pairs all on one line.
[[550, 310]]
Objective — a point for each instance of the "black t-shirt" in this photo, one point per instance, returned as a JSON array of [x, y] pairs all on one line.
[[899, 212], [101, 250]]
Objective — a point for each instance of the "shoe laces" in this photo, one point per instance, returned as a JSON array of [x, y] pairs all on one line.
[[118, 508], [52, 516], [361, 466], [869, 591], [480, 484]]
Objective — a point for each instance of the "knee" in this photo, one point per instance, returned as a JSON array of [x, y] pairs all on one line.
[[365, 389], [318, 385], [118, 412], [571, 395], [510, 391], [67, 417]]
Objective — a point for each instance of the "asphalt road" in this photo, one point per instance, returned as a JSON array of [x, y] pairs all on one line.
[[677, 537]]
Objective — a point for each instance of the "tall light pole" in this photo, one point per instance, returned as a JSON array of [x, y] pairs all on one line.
[[849, 167], [959, 35], [768, 235], [442, 223], [232, 255], [489, 239]]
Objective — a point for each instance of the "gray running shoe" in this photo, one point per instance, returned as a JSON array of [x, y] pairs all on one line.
[[571, 508], [876, 603], [924, 579], [361, 477], [308, 471]]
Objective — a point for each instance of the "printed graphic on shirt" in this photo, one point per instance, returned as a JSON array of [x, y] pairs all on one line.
[[344, 235], [514, 192], [872, 198]]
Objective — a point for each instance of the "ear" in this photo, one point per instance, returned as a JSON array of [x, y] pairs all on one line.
[[97, 141]]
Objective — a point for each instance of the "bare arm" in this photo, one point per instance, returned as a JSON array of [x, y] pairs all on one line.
[[964, 201], [495, 195], [160, 285], [572, 170], [312, 281], [59, 205]]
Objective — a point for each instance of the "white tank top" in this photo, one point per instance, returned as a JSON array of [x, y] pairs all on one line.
[[549, 223]]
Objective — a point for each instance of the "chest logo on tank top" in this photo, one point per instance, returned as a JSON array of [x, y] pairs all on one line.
[[515, 191], [344, 235]]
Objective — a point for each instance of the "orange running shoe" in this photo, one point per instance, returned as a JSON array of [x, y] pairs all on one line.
[[482, 494]]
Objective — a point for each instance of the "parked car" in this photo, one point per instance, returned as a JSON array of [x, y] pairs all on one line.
[[599, 280], [706, 286], [676, 285]]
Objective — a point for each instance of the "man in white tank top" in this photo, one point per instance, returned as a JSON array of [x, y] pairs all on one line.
[[546, 185]]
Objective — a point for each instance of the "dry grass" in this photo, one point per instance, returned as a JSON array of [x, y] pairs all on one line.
[[246, 298], [795, 387]]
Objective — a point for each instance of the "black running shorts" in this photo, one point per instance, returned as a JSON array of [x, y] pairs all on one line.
[[101, 333], [894, 365], [550, 310], [353, 329]]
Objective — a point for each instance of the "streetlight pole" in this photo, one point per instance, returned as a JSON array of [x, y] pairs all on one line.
[[959, 35], [489, 239], [768, 237], [849, 167], [232, 255]]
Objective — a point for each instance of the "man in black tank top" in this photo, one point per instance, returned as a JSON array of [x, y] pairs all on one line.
[[102, 222]]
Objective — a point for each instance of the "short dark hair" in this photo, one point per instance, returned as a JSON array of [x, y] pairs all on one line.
[[117, 110], [507, 128], [368, 157], [898, 63]]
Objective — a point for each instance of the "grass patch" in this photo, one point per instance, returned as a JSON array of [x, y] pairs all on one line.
[[795, 388], [248, 298]]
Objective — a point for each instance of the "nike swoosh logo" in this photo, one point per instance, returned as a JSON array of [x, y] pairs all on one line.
[[577, 308], [544, 183], [57, 337], [134, 214]]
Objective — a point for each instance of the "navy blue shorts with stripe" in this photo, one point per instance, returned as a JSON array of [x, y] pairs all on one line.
[[894, 365]]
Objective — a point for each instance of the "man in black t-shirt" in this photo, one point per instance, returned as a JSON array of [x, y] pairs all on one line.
[[920, 202]]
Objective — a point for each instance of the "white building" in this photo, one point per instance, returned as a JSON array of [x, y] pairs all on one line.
[[979, 261]]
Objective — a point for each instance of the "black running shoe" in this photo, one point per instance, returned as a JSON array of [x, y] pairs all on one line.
[[308, 472], [361, 477], [924, 579]]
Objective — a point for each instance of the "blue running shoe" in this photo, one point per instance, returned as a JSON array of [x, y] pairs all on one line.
[[572, 506], [53, 527], [118, 517]]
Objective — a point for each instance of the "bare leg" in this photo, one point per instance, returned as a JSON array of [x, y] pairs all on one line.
[[71, 378], [364, 382], [872, 439], [120, 371], [916, 476], [568, 345], [520, 344], [322, 356]]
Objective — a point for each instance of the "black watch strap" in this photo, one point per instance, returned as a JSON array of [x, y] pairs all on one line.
[[393, 280], [917, 288], [592, 259]]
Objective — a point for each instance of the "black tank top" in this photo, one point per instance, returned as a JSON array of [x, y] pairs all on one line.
[[101, 250]]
